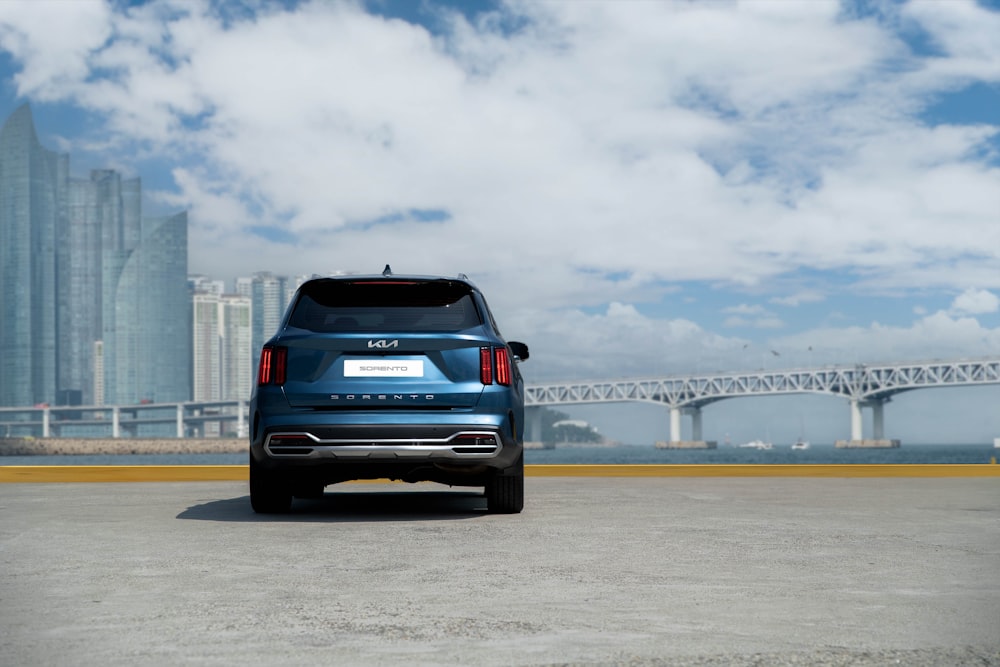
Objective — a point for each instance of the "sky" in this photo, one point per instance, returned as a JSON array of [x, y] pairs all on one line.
[[641, 188]]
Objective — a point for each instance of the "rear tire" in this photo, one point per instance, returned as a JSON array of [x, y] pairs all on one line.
[[267, 494], [505, 490]]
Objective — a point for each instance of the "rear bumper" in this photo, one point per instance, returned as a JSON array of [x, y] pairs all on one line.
[[449, 453], [416, 442]]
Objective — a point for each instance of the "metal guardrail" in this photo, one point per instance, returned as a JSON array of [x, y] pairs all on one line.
[[181, 420]]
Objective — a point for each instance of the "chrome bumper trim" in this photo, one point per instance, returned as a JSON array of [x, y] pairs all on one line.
[[451, 447]]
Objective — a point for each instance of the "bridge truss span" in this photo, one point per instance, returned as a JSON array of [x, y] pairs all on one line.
[[864, 385]]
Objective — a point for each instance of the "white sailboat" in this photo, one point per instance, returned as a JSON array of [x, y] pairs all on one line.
[[801, 443]]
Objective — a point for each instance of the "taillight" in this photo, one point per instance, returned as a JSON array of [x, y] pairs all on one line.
[[273, 362], [280, 364], [485, 365], [503, 365], [494, 360], [264, 369]]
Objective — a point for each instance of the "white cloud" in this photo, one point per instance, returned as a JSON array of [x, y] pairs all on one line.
[[975, 302], [966, 31], [53, 46], [799, 298], [601, 123], [598, 155], [939, 335], [745, 309]]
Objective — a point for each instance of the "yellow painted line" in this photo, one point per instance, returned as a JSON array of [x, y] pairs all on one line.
[[239, 473], [124, 473], [765, 470]]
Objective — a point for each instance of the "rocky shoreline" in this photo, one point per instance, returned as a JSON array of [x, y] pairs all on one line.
[[85, 446]]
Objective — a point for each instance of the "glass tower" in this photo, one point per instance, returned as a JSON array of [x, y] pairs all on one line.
[[93, 299], [32, 218], [147, 324]]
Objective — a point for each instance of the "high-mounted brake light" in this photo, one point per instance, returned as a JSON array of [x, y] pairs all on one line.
[[485, 365], [503, 365], [273, 363]]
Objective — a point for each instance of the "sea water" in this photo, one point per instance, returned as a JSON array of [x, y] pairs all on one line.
[[621, 454]]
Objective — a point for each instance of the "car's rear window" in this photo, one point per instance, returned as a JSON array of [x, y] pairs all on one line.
[[327, 306]]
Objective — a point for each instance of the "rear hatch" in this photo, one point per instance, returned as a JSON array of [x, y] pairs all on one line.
[[380, 344]]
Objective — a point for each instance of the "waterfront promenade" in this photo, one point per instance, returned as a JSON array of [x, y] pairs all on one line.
[[700, 570]]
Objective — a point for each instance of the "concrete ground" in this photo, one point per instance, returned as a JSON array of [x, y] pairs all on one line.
[[614, 571]]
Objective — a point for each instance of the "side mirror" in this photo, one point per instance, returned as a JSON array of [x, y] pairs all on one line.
[[519, 350]]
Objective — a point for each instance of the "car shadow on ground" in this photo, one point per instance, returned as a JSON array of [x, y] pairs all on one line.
[[348, 506]]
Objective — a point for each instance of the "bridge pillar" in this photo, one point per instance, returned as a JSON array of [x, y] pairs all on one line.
[[856, 431], [116, 422], [180, 420], [46, 422], [878, 417], [675, 424], [533, 419], [878, 438], [695, 423], [241, 423]]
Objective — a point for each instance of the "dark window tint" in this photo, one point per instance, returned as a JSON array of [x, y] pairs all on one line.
[[383, 306]]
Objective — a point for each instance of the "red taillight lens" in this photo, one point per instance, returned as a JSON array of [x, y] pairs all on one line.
[[273, 361], [503, 365], [485, 365], [264, 369], [280, 364]]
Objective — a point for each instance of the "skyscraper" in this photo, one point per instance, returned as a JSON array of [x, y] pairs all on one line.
[[147, 322], [32, 218], [103, 220], [93, 299]]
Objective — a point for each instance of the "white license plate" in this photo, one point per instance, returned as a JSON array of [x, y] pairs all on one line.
[[406, 368]]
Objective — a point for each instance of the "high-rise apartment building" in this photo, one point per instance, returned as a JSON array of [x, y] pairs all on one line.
[[269, 296], [222, 366], [94, 301], [199, 283], [206, 378], [237, 347]]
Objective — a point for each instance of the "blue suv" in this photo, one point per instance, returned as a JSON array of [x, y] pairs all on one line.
[[386, 376]]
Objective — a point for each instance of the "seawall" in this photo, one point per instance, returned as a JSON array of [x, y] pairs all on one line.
[[46, 446]]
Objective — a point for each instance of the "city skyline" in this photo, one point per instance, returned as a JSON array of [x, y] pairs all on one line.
[[642, 188], [94, 293]]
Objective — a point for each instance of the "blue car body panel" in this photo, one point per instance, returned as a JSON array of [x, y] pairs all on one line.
[[383, 377]]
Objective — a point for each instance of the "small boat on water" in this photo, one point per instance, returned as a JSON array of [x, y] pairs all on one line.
[[756, 444], [800, 444]]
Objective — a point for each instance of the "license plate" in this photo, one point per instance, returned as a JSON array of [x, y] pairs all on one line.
[[407, 368]]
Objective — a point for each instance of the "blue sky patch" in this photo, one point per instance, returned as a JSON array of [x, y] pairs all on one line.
[[274, 234]]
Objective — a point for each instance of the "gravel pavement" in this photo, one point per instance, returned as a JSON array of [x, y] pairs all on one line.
[[596, 571]]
